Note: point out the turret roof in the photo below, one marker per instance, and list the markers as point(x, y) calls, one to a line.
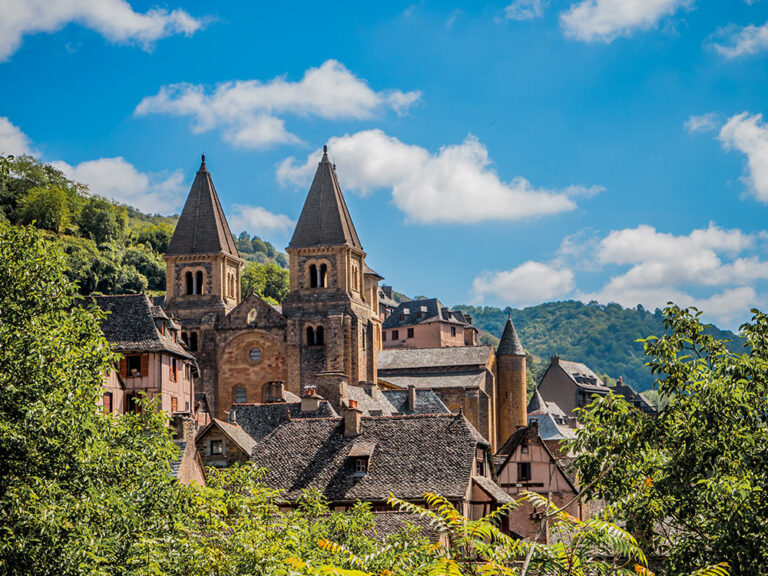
point(510, 344)
point(325, 219)
point(202, 227)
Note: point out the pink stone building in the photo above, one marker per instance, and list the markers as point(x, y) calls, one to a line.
point(427, 324)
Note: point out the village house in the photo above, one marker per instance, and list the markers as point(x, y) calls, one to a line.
point(427, 323)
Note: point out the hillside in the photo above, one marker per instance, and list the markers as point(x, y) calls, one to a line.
point(603, 336)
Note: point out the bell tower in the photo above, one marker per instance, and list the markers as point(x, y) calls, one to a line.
point(512, 411)
point(332, 307)
point(202, 276)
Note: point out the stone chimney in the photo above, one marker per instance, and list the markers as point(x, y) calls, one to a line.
point(183, 426)
point(276, 391)
point(352, 417)
point(371, 388)
point(411, 398)
point(310, 401)
point(555, 360)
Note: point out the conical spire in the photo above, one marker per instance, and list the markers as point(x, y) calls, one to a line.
point(202, 227)
point(510, 342)
point(325, 219)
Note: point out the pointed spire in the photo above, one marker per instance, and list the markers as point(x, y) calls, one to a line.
point(325, 219)
point(202, 226)
point(510, 344)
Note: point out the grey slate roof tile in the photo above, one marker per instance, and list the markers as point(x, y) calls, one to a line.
point(258, 420)
point(202, 226)
point(325, 219)
point(413, 455)
point(408, 358)
point(421, 312)
point(429, 381)
point(130, 325)
point(510, 344)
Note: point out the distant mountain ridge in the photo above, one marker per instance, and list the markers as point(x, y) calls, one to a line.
point(602, 336)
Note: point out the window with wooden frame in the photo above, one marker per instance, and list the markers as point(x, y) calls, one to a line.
point(173, 370)
point(361, 466)
point(395, 335)
point(410, 332)
point(523, 471)
point(107, 402)
point(174, 405)
point(217, 447)
point(133, 365)
point(453, 330)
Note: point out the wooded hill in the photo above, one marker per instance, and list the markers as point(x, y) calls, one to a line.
point(603, 336)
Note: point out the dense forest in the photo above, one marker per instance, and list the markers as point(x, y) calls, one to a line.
point(603, 336)
point(112, 248)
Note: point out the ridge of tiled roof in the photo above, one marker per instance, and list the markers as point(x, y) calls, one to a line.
point(130, 325)
point(202, 227)
point(411, 358)
point(510, 344)
point(325, 219)
point(413, 455)
point(430, 380)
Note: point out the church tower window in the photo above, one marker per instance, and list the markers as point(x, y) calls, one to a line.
point(315, 336)
point(193, 341)
point(198, 285)
point(313, 276)
point(240, 395)
point(190, 283)
point(323, 276)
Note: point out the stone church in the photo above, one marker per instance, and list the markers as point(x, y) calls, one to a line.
point(326, 338)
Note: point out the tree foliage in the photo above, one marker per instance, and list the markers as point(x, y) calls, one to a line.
point(693, 482)
point(269, 281)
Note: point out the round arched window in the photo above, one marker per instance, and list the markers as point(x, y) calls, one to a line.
point(254, 354)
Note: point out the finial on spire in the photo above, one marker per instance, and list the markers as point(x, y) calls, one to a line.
point(325, 153)
point(202, 163)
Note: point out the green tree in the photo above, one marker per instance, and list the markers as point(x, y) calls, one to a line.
point(80, 492)
point(692, 482)
point(101, 220)
point(47, 208)
point(158, 236)
point(269, 281)
point(147, 263)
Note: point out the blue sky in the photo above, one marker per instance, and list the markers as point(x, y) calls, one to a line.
point(500, 153)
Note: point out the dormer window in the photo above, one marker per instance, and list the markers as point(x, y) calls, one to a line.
point(361, 466)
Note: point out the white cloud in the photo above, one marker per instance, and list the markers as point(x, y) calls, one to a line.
point(452, 18)
point(737, 41)
point(529, 283)
point(258, 220)
point(248, 111)
point(456, 184)
point(118, 179)
point(12, 140)
point(606, 20)
point(524, 10)
point(113, 19)
point(703, 123)
point(749, 134)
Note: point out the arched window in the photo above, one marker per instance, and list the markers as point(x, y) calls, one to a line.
point(185, 338)
point(310, 336)
point(240, 396)
point(199, 282)
point(312, 276)
point(190, 287)
point(319, 336)
point(323, 280)
point(193, 341)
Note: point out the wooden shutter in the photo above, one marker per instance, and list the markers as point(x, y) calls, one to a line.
point(145, 365)
point(123, 368)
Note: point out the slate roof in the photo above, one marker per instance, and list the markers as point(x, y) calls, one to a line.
point(422, 312)
point(413, 455)
point(258, 420)
point(428, 381)
point(395, 522)
point(549, 429)
point(176, 462)
point(386, 300)
point(130, 325)
point(634, 398)
point(325, 219)
point(537, 405)
point(427, 402)
point(583, 376)
point(202, 226)
point(492, 489)
point(234, 432)
point(510, 344)
point(405, 358)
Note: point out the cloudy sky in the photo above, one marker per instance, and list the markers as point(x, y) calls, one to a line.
point(496, 153)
